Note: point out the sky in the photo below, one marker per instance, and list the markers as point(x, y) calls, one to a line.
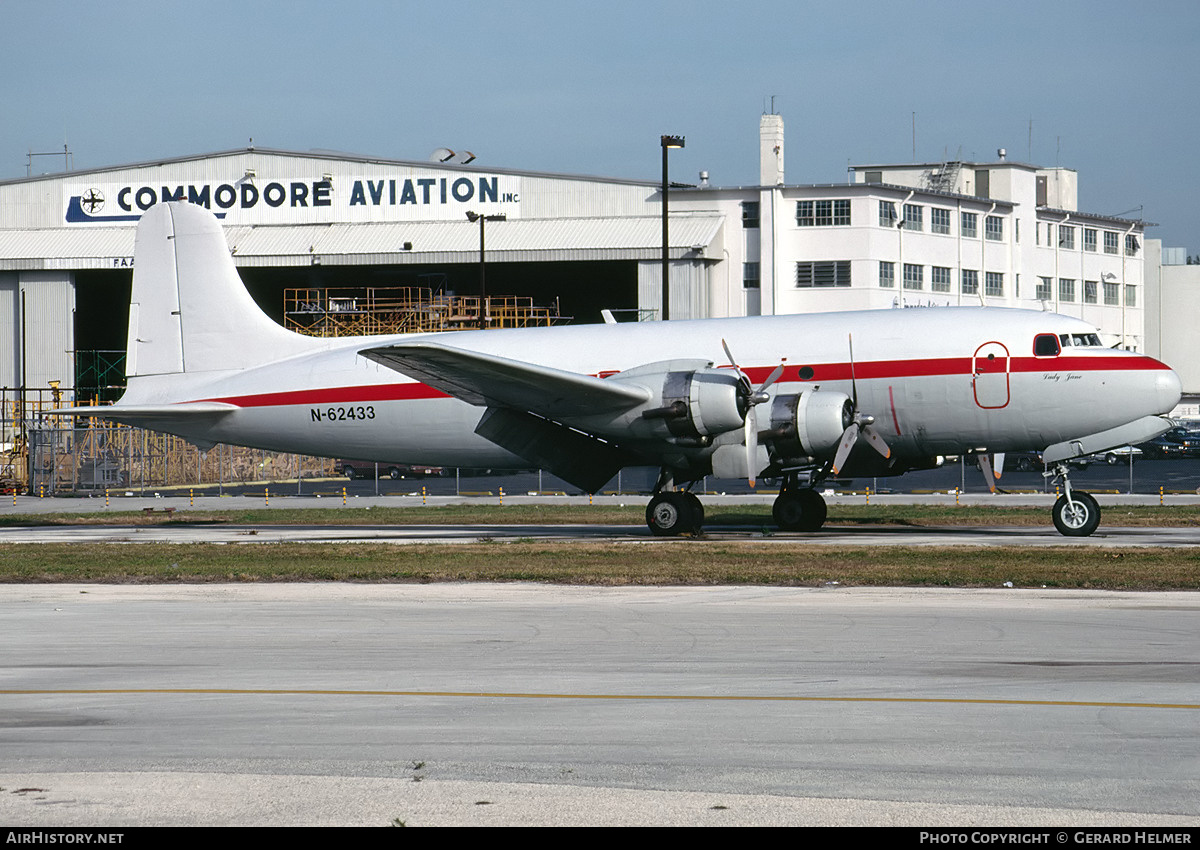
point(581, 87)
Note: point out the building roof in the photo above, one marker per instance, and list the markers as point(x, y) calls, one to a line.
point(625, 238)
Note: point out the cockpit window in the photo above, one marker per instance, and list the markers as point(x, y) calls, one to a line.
point(1046, 345)
point(1079, 340)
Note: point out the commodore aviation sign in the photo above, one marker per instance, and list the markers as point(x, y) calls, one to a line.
point(413, 196)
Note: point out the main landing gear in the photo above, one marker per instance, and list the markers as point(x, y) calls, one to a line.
point(1076, 513)
point(674, 512)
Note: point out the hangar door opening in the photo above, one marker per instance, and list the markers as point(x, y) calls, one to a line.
point(579, 290)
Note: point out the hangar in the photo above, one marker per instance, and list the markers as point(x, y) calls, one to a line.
point(569, 247)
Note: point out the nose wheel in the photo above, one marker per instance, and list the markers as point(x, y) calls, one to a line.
point(1076, 513)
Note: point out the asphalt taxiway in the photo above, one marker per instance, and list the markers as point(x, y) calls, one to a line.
point(519, 704)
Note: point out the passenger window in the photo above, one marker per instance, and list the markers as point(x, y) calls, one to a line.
point(1045, 345)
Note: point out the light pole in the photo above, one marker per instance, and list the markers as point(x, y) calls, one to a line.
point(667, 142)
point(479, 217)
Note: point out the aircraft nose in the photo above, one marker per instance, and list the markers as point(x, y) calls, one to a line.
point(1168, 390)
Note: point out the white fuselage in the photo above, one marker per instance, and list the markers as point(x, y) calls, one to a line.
point(937, 381)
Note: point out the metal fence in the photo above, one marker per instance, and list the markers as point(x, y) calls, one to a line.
point(43, 454)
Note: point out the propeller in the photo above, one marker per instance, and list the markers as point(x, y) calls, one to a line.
point(991, 469)
point(860, 424)
point(753, 397)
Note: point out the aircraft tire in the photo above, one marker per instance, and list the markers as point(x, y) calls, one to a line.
point(800, 510)
point(1077, 518)
point(393, 473)
point(349, 472)
point(673, 513)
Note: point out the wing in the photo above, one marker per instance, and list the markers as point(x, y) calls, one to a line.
point(493, 381)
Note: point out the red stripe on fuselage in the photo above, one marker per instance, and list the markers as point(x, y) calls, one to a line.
point(867, 370)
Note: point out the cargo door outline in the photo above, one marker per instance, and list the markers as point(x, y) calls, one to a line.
point(990, 367)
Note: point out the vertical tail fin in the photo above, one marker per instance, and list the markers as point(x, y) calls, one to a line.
point(189, 311)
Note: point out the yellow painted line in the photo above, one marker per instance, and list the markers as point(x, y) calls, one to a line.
point(660, 697)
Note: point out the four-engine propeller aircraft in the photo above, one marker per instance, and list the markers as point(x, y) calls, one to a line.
point(870, 393)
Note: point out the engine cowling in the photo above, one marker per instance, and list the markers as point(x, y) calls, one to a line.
point(690, 403)
point(808, 425)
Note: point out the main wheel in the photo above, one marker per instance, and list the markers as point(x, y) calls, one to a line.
point(1077, 517)
point(800, 510)
point(349, 472)
point(393, 473)
point(673, 513)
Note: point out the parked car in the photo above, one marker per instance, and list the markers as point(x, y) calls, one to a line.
point(1176, 443)
point(1124, 454)
point(366, 469)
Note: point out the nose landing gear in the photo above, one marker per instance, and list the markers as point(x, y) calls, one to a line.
point(1076, 513)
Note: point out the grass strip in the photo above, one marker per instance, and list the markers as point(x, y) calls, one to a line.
point(660, 562)
point(634, 514)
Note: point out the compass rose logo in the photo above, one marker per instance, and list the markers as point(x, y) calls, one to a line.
point(92, 202)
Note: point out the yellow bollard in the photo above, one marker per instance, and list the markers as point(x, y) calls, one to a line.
point(191, 498)
point(1160, 495)
point(267, 496)
point(343, 497)
point(502, 495)
point(106, 497)
point(868, 495)
point(423, 494)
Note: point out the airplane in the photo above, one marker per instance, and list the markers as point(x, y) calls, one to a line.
point(797, 398)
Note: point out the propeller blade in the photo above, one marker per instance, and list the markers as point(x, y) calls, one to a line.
point(849, 437)
point(853, 382)
point(985, 466)
point(876, 440)
point(751, 446)
point(772, 378)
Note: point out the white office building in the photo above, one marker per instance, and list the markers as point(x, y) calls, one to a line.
point(891, 236)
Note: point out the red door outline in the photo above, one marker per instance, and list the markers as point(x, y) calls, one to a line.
point(990, 375)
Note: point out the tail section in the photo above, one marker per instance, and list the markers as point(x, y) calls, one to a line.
point(189, 311)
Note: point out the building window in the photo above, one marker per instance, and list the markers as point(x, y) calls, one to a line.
point(1112, 294)
point(1066, 237)
point(970, 282)
point(1130, 295)
point(970, 225)
point(749, 214)
point(887, 214)
point(939, 278)
point(1066, 289)
point(1110, 242)
point(1045, 289)
point(939, 220)
point(1089, 239)
point(993, 228)
point(827, 273)
point(993, 283)
point(887, 274)
point(914, 276)
point(750, 276)
point(822, 213)
point(914, 217)
point(1131, 245)
point(1089, 291)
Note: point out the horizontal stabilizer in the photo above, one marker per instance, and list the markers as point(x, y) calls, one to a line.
point(486, 379)
point(149, 415)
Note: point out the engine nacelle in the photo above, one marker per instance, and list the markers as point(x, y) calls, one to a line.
point(809, 424)
point(690, 403)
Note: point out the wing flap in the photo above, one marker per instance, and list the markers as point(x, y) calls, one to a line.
point(494, 381)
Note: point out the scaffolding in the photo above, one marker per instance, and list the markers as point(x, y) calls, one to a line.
point(375, 311)
point(47, 455)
